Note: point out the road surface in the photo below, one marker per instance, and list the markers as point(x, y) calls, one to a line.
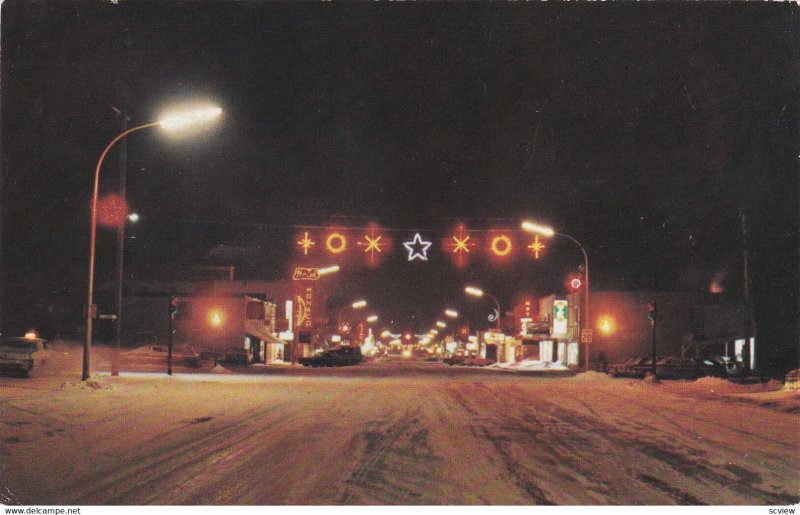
point(390, 432)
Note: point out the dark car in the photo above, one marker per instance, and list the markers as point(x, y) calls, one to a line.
point(341, 357)
point(631, 367)
point(350, 355)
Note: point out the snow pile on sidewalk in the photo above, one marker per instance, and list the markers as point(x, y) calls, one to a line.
point(219, 369)
point(593, 376)
point(529, 364)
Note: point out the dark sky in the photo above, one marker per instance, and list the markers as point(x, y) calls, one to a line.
point(641, 130)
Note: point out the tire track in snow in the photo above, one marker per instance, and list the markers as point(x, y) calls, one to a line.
point(396, 464)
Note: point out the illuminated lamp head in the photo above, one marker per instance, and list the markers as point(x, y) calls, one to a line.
point(215, 318)
point(606, 325)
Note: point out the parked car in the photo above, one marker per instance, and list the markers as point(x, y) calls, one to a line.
point(20, 354)
point(470, 361)
point(350, 355)
point(678, 368)
point(339, 357)
point(631, 367)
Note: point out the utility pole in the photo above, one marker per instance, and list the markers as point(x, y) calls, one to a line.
point(173, 310)
point(653, 315)
point(748, 328)
point(123, 166)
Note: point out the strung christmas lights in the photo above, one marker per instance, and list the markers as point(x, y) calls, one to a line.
point(459, 245)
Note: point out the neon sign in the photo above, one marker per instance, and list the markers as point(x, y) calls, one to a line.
point(305, 274)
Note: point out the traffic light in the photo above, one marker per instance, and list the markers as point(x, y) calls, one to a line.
point(173, 307)
point(651, 312)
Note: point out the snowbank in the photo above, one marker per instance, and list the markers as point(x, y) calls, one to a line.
point(529, 364)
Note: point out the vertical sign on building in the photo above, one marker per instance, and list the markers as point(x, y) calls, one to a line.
point(304, 306)
point(560, 316)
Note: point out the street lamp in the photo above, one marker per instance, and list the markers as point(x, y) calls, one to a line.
point(440, 324)
point(477, 292)
point(359, 304)
point(372, 319)
point(451, 313)
point(171, 122)
point(549, 232)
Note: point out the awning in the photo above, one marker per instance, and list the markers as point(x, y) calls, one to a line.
point(255, 329)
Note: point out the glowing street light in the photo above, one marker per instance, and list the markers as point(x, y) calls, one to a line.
point(440, 324)
point(538, 229)
point(215, 318)
point(188, 118)
point(359, 304)
point(133, 217)
point(547, 231)
point(328, 270)
point(606, 325)
point(452, 313)
point(172, 122)
point(372, 319)
point(477, 292)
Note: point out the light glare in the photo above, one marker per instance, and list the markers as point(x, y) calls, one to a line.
point(475, 292)
point(182, 119)
point(539, 229)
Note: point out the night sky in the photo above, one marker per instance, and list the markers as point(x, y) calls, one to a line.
point(641, 130)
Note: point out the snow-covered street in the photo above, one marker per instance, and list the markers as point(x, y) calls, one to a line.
point(395, 432)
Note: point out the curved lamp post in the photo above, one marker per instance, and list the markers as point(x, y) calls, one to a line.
point(359, 304)
point(171, 122)
point(549, 232)
point(477, 292)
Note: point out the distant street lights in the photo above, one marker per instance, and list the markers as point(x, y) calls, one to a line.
point(549, 232)
point(477, 292)
point(171, 122)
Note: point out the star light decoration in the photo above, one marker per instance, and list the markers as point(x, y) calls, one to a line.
point(306, 243)
point(414, 244)
point(373, 245)
point(536, 247)
point(460, 244)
